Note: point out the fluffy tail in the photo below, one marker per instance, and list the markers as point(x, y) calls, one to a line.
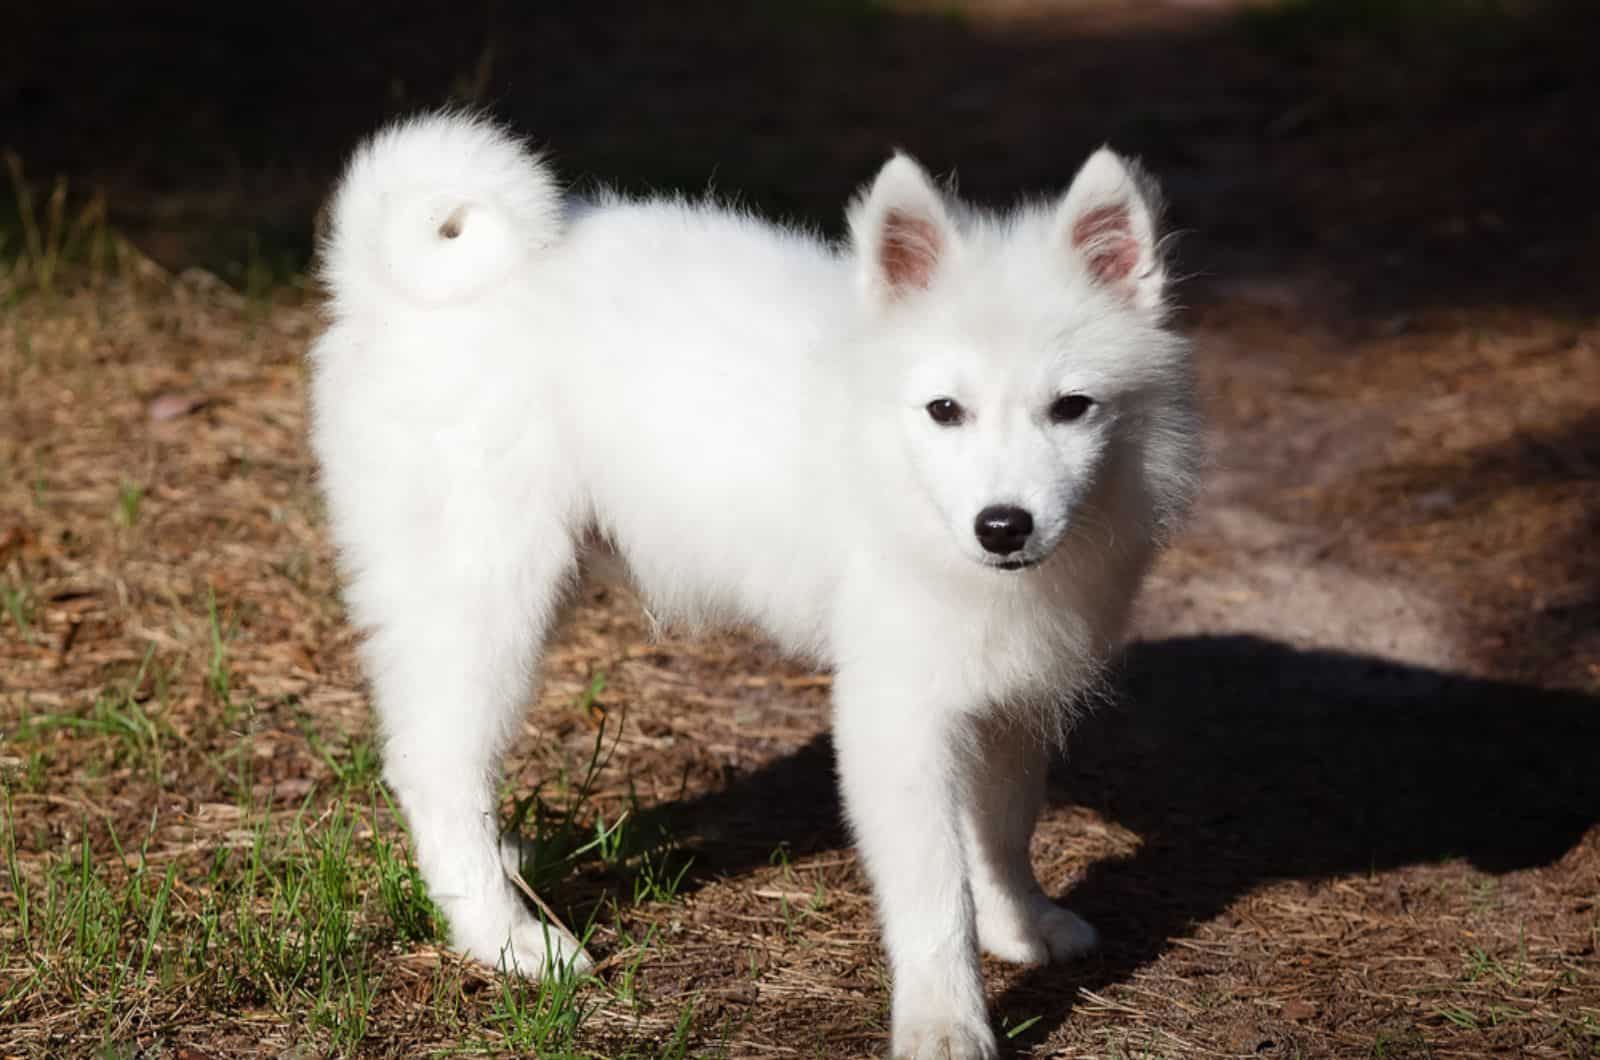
point(437, 209)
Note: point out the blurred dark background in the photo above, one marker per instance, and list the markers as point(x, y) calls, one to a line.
point(1407, 152)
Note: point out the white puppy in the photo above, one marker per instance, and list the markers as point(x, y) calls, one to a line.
point(936, 461)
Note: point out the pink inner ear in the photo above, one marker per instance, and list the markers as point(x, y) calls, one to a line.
point(910, 250)
point(1105, 236)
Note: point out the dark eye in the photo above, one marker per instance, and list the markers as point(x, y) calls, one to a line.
point(946, 412)
point(1069, 407)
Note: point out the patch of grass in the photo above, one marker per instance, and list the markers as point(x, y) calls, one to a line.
point(40, 239)
point(677, 1047)
point(26, 360)
point(540, 1018)
point(1582, 1036)
point(289, 912)
point(300, 938)
point(19, 605)
point(88, 939)
point(290, 916)
point(1483, 893)
point(219, 676)
point(565, 834)
point(794, 913)
point(402, 895)
point(659, 874)
point(131, 736)
point(1481, 965)
point(626, 985)
point(129, 496)
point(359, 765)
point(34, 770)
point(1400, 1044)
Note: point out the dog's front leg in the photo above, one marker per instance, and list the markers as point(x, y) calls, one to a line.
point(897, 765)
point(1003, 793)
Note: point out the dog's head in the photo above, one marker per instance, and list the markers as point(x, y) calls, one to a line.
point(1033, 383)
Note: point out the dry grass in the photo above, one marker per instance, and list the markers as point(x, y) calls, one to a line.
point(1348, 807)
point(188, 747)
point(199, 856)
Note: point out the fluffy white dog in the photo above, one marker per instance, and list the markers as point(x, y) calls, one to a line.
point(937, 461)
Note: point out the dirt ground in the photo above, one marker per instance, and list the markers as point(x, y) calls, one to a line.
point(1348, 801)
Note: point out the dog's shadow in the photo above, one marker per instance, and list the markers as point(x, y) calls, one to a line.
point(1238, 761)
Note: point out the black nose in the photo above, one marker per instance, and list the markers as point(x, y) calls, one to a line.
point(1002, 528)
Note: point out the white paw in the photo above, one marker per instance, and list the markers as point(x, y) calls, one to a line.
point(1042, 932)
point(497, 927)
point(536, 949)
point(945, 1040)
point(530, 949)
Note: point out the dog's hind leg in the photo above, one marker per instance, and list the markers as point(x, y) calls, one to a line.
point(451, 674)
point(1003, 794)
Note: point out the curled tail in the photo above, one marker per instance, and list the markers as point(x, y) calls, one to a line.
point(436, 209)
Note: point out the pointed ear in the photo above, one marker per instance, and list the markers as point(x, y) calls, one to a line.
point(1107, 219)
point(901, 233)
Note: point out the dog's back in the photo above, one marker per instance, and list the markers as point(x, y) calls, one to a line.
point(663, 371)
point(707, 405)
